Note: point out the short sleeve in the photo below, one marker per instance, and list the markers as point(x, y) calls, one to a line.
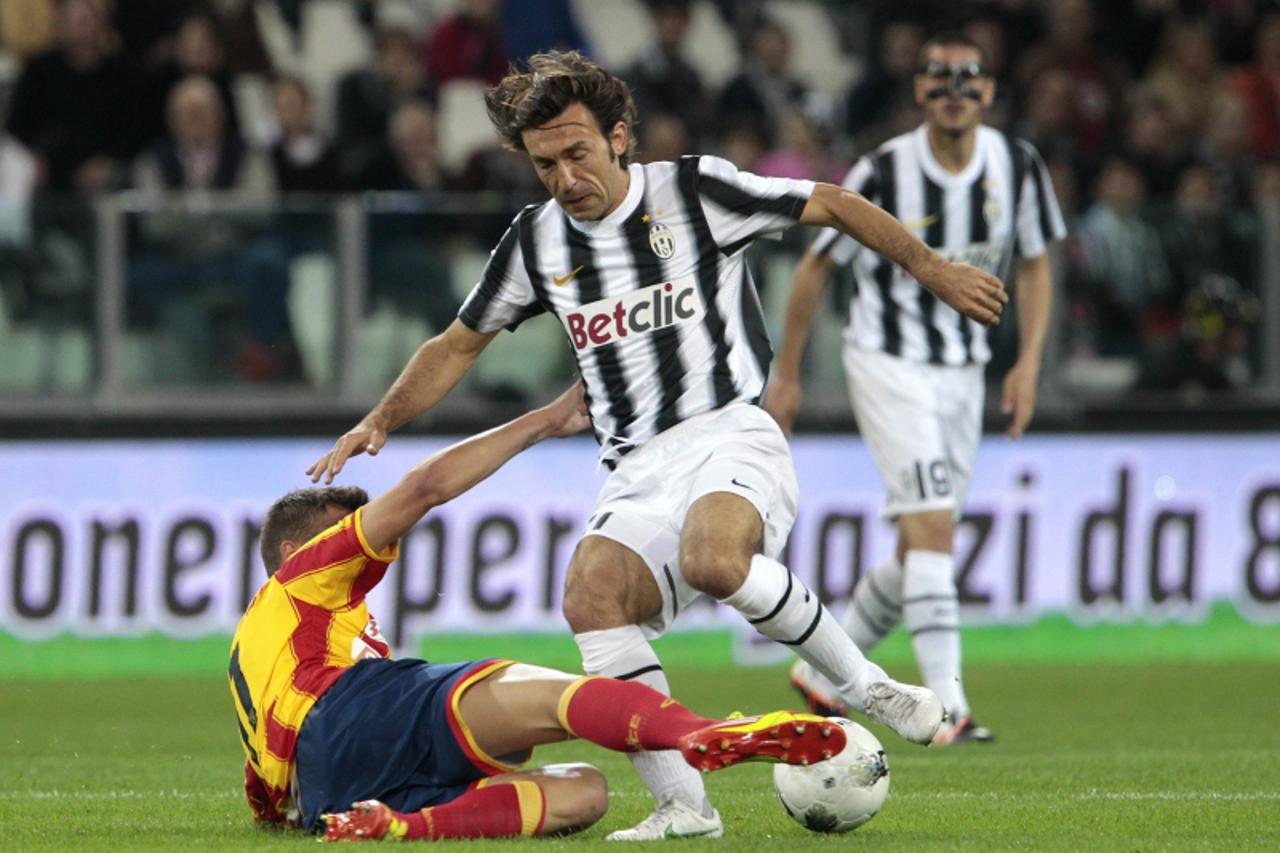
point(837, 245)
point(1039, 217)
point(504, 296)
point(336, 568)
point(740, 206)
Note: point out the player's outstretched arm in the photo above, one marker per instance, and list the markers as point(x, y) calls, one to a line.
point(785, 393)
point(447, 474)
point(431, 373)
point(1035, 299)
point(967, 289)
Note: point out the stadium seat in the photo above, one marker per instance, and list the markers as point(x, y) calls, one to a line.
point(313, 314)
point(617, 30)
point(462, 123)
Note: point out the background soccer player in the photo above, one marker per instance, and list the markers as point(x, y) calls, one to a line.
point(326, 719)
point(644, 266)
point(915, 366)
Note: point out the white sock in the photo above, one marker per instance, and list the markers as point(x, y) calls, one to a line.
point(624, 653)
point(876, 606)
point(932, 615)
point(783, 609)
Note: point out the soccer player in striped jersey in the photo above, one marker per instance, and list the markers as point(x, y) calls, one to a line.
point(644, 267)
point(915, 365)
point(329, 722)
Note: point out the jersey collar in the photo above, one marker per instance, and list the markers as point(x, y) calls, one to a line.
point(635, 193)
point(939, 175)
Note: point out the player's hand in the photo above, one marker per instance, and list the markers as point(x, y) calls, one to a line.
point(783, 402)
point(973, 292)
point(569, 412)
point(1019, 397)
point(364, 437)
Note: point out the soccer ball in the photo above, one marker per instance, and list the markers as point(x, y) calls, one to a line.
point(841, 793)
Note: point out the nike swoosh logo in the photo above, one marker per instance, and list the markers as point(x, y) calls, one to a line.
point(742, 485)
point(671, 833)
point(565, 279)
point(913, 224)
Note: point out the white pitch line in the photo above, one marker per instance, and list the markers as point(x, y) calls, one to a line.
point(1178, 796)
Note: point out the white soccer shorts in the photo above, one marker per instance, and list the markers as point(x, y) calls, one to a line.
point(922, 423)
point(738, 449)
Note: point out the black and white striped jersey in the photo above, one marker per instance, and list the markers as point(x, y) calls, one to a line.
point(655, 298)
point(1000, 206)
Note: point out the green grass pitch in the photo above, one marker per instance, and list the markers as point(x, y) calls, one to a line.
point(1113, 756)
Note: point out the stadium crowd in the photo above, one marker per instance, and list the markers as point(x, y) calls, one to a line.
point(1159, 120)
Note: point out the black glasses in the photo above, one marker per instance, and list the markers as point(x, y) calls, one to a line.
point(963, 73)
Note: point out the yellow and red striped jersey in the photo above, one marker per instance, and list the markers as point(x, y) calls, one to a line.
point(307, 625)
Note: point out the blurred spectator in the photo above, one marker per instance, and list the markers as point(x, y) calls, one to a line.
point(412, 158)
point(804, 153)
point(1185, 75)
point(764, 91)
point(1234, 23)
point(1050, 122)
point(989, 32)
point(662, 138)
point(1210, 351)
point(74, 106)
point(407, 267)
point(1224, 149)
point(190, 255)
point(1126, 271)
point(368, 97)
point(1155, 143)
point(304, 160)
point(147, 28)
point(535, 26)
point(1098, 77)
point(198, 48)
point(662, 81)
point(468, 45)
point(1202, 236)
point(886, 86)
point(743, 146)
point(28, 27)
point(1258, 84)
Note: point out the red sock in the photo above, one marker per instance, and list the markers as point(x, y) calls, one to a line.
point(494, 811)
point(625, 716)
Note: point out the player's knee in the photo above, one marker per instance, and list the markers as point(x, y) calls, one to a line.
point(593, 591)
point(577, 798)
point(713, 568)
point(927, 531)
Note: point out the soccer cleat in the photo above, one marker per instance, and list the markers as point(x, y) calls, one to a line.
point(369, 820)
point(816, 691)
point(965, 730)
point(782, 736)
point(672, 819)
point(915, 713)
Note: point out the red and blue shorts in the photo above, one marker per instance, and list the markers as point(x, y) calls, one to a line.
point(390, 730)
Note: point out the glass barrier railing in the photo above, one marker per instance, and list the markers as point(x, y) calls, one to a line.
point(136, 303)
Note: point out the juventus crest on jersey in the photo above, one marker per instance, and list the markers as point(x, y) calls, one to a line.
point(655, 298)
point(999, 206)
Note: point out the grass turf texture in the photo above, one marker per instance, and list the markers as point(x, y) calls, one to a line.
point(1111, 756)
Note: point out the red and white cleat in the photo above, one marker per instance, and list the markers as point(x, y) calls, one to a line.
point(781, 737)
point(369, 820)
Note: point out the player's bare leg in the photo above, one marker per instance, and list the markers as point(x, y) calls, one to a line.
point(609, 592)
point(719, 555)
point(523, 706)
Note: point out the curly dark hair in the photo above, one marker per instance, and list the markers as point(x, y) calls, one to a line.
point(553, 81)
point(298, 516)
